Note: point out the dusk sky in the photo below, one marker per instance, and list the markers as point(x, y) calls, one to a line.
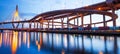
point(30, 8)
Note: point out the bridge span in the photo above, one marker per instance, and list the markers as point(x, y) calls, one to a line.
point(47, 21)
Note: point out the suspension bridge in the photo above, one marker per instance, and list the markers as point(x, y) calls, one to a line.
point(59, 21)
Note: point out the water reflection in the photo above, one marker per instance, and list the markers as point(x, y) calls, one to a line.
point(13, 42)
point(0, 39)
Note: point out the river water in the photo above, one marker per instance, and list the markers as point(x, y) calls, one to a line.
point(13, 42)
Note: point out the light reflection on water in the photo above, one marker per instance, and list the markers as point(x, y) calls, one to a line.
point(12, 42)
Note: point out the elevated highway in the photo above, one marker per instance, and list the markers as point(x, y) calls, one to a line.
point(48, 18)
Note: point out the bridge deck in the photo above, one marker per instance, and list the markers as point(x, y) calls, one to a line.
point(88, 32)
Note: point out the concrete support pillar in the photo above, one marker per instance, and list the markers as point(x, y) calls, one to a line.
point(42, 22)
point(37, 25)
point(77, 23)
point(40, 25)
point(90, 20)
point(34, 24)
point(67, 22)
point(115, 45)
point(114, 20)
point(22, 25)
point(74, 21)
point(104, 23)
point(29, 25)
point(82, 20)
point(77, 20)
point(52, 23)
point(17, 25)
point(94, 25)
point(62, 22)
point(48, 24)
point(55, 26)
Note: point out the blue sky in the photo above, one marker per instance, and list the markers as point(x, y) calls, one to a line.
point(30, 8)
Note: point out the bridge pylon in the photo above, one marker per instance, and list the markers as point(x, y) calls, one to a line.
point(15, 18)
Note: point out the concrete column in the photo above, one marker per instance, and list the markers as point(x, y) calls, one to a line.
point(62, 22)
point(22, 25)
point(114, 20)
point(34, 24)
point(77, 20)
point(67, 22)
point(29, 25)
point(37, 25)
point(42, 26)
point(90, 20)
point(52, 23)
point(77, 24)
point(48, 24)
point(17, 25)
point(74, 21)
point(82, 20)
point(94, 25)
point(104, 23)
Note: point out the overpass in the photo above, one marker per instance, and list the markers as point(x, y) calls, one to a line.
point(48, 18)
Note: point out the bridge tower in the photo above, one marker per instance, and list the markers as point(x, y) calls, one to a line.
point(15, 18)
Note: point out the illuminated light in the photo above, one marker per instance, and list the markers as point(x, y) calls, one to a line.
point(38, 18)
point(65, 35)
point(87, 6)
point(102, 37)
point(39, 47)
point(24, 38)
point(35, 37)
point(41, 40)
point(28, 43)
point(14, 42)
point(100, 52)
point(0, 39)
point(16, 14)
point(91, 36)
point(5, 39)
point(16, 17)
point(7, 43)
point(19, 41)
point(99, 8)
point(65, 41)
point(41, 21)
point(111, 38)
point(63, 52)
point(118, 30)
point(36, 42)
point(10, 39)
